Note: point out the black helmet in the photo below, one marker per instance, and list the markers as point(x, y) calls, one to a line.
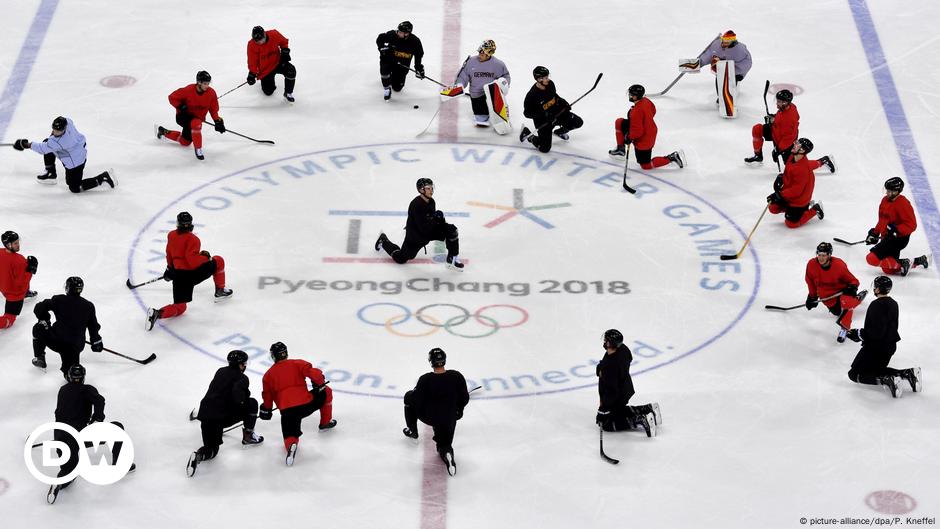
point(883, 284)
point(824, 247)
point(539, 72)
point(278, 351)
point(613, 338)
point(74, 286)
point(59, 123)
point(636, 90)
point(785, 95)
point(9, 237)
point(806, 145)
point(406, 27)
point(184, 221)
point(894, 184)
point(437, 357)
point(422, 182)
point(76, 373)
point(257, 33)
point(237, 357)
point(203, 77)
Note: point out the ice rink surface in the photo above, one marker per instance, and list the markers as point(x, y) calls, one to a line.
point(761, 425)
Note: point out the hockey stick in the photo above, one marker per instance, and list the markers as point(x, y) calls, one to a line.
point(269, 142)
point(438, 83)
point(775, 307)
point(606, 457)
point(232, 90)
point(132, 286)
point(767, 111)
point(746, 241)
point(676, 80)
point(626, 162)
point(843, 241)
point(145, 361)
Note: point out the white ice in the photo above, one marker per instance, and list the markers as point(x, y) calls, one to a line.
point(761, 424)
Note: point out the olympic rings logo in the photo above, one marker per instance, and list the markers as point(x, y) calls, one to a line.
point(440, 319)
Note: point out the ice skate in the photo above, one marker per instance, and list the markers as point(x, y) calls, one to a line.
point(291, 454)
point(250, 438)
point(152, 316)
point(892, 383)
point(617, 151)
point(328, 426)
point(453, 263)
point(221, 294)
point(757, 158)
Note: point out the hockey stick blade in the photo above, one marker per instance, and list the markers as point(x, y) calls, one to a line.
point(133, 286)
point(192, 415)
point(145, 361)
point(606, 457)
point(729, 257)
point(843, 241)
point(774, 307)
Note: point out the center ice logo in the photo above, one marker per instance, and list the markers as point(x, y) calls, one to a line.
point(555, 251)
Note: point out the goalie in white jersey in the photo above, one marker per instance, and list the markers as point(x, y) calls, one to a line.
point(487, 80)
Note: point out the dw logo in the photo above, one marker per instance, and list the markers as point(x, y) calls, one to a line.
point(98, 439)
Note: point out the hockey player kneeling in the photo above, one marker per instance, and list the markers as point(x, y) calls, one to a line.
point(616, 388)
point(425, 224)
point(438, 400)
point(487, 80)
point(547, 110)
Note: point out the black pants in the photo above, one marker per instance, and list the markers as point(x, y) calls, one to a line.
point(412, 244)
point(444, 427)
point(567, 121)
point(186, 280)
point(871, 363)
point(890, 247)
point(73, 176)
point(290, 76)
point(291, 417)
point(13, 307)
point(72, 462)
point(212, 430)
point(393, 72)
point(43, 337)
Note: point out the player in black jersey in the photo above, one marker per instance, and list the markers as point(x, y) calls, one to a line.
point(396, 49)
point(547, 110)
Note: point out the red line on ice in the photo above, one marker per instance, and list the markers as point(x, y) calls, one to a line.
point(450, 63)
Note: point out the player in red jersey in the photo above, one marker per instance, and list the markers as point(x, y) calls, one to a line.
point(639, 129)
point(192, 103)
point(782, 128)
point(15, 273)
point(268, 55)
point(285, 385)
point(827, 275)
point(896, 223)
point(187, 265)
point(793, 190)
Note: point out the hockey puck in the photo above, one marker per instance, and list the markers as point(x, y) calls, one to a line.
point(416, 106)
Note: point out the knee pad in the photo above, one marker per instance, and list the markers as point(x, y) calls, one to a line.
point(398, 257)
point(872, 259)
point(451, 231)
point(37, 330)
point(267, 91)
point(853, 375)
point(75, 188)
point(289, 71)
point(219, 263)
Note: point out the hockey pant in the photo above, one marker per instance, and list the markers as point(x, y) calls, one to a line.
point(11, 310)
point(413, 244)
point(444, 427)
point(644, 157)
point(192, 130)
point(43, 337)
point(212, 430)
point(291, 417)
point(566, 122)
point(761, 132)
point(793, 216)
point(72, 444)
point(871, 363)
point(73, 176)
point(392, 74)
point(186, 280)
point(886, 254)
point(290, 77)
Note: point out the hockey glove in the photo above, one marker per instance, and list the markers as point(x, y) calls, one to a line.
point(32, 264)
point(811, 302)
point(97, 346)
point(851, 290)
point(285, 55)
point(182, 108)
point(251, 79)
point(872, 237)
point(419, 71)
point(46, 324)
point(439, 216)
point(769, 119)
point(21, 145)
point(206, 254)
point(265, 414)
point(601, 417)
point(169, 274)
point(778, 182)
point(853, 335)
point(385, 51)
point(891, 231)
point(774, 198)
point(220, 126)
